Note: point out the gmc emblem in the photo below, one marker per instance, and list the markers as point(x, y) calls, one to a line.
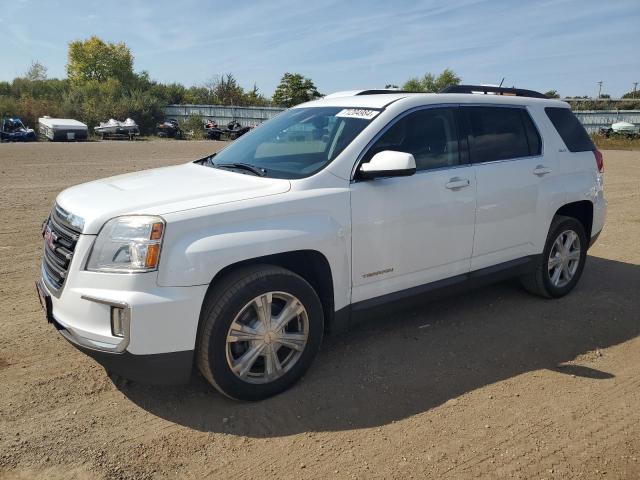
point(49, 237)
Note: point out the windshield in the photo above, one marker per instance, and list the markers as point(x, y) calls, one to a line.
point(297, 143)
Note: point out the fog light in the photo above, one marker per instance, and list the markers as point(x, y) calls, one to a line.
point(117, 321)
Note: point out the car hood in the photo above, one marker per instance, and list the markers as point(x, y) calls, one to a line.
point(161, 191)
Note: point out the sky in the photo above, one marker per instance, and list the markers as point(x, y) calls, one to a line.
point(564, 45)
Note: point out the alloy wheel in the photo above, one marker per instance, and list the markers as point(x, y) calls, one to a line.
point(564, 258)
point(267, 337)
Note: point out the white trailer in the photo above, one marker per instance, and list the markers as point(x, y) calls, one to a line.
point(62, 129)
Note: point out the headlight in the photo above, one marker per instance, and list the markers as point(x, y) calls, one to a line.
point(128, 244)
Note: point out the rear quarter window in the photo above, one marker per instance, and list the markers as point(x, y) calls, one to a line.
point(533, 137)
point(573, 134)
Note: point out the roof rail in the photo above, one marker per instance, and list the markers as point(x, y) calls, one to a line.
point(381, 91)
point(491, 90)
point(355, 93)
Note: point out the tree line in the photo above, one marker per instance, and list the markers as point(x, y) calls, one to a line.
point(101, 84)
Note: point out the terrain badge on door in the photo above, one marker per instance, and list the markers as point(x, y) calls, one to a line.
point(379, 272)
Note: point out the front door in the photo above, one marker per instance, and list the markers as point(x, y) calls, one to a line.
point(408, 231)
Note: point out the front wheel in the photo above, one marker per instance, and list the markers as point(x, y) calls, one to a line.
point(562, 261)
point(261, 328)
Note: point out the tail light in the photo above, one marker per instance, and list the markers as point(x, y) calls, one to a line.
point(599, 160)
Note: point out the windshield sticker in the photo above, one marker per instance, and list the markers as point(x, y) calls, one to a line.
point(363, 113)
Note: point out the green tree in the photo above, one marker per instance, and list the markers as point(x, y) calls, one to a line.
point(413, 85)
point(429, 83)
point(255, 98)
point(225, 90)
point(36, 72)
point(93, 59)
point(294, 89)
point(552, 94)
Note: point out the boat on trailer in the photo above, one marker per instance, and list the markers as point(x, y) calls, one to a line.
point(116, 129)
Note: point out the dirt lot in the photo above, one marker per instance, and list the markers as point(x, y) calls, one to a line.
point(492, 384)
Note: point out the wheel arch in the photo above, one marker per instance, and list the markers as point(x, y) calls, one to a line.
point(582, 211)
point(311, 265)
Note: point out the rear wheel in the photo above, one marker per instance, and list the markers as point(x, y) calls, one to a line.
point(562, 261)
point(261, 329)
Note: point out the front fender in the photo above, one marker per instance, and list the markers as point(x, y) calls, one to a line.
point(197, 247)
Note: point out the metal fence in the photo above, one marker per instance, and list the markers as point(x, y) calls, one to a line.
point(594, 119)
point(247, 116)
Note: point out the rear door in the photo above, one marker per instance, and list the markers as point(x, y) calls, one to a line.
point(505, 149)
point(408, 231)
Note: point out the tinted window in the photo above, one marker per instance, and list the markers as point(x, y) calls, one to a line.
point(533, 137)
point(573, 134)
point(430, 135)
point(496, 133)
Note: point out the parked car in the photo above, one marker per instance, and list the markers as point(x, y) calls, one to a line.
point(239, 262)
point(13, 130)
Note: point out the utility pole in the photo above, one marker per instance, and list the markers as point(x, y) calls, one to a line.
point(599, 88)
point(635, 85)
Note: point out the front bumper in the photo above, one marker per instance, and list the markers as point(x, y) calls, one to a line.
point(160, 328)
point(170, 368)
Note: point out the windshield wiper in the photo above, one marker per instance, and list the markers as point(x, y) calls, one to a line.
point(261, 172)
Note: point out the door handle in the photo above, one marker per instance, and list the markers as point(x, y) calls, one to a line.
point(456, 182)
point(541, 170)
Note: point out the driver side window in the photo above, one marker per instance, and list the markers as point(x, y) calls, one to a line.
point(430, 135)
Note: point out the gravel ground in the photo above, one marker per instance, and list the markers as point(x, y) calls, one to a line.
point(491, 384)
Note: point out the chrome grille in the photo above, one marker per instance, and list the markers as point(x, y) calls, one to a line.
point(60, 239)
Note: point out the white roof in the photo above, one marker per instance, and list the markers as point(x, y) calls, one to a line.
point(351, 99)
point(61, 122)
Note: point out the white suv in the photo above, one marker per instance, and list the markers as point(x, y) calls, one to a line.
point(239, 262)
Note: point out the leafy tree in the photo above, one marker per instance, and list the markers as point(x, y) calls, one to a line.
point(632, 94)
point(429, 83)
point(93, 59)
point(552, 94)
point(36, 72)
point(294, 89)
point(5, 88)
point(225, 90)
point(413, 85)
point(255, 98)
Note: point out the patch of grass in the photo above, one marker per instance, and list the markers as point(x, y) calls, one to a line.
point(616, 143)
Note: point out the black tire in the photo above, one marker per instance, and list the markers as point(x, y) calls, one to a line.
point(220, 308)
point(539, 282)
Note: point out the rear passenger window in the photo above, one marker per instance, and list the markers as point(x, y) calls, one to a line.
point(573, 134)
point(496, 133)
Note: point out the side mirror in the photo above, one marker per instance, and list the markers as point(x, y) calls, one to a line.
point(388, 163)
